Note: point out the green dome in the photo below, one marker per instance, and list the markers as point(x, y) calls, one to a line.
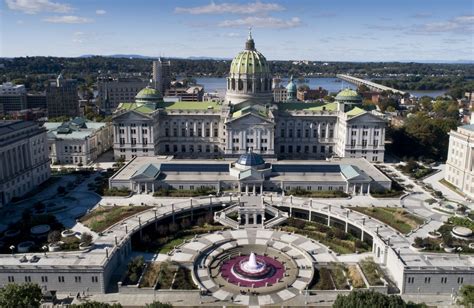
point(249, 62)
point(148, 95)
point(348, 95)
point(291, 86)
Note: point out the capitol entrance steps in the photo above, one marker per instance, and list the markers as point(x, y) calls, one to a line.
point(250, 212)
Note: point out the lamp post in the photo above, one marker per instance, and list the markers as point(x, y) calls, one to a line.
point(45, 248)
point(12, 248)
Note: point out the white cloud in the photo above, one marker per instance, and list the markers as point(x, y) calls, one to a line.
point(457, 24)
point(101, 12)
point(231, 8)
point(262, 22)
point(68, 19)
point(36, 6)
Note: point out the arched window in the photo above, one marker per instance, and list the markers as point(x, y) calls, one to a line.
point(258, 86)
point(233, 83)
point(241, 84)
point(249, 85)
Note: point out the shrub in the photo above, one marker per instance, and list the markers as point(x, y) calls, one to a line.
point(135, 268)
point(54, 236)
point(418, 242)
point(86, 238)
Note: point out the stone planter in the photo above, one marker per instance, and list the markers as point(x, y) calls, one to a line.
point(68, 233)
point(12, 233)
point(84, 246)
point(54, 247)
point(25, 246)
point(449, 249)
point(434, 234)
point(417, 249)
point(40, 230)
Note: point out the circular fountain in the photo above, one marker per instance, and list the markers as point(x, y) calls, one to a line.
point(252, 270)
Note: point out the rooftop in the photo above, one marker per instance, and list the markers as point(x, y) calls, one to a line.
point(308, 106)
point(149, 108)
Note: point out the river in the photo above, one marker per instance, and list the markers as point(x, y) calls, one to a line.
point(213, 84)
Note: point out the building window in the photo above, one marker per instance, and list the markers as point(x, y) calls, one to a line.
point(315, 148)
point(44, 278)
point(411, 279)
point(134, 141)
point(444, 279)
point(290, 133)
point(27, 278)
point(353, 133)
point(353, 142)
point(427, 279)
point(77, 279)
point(167, 132)
point(460, 280)
point(331, 133)
point(11, 279)
point(191, 187)
point(323, 149)
point(216, 132)
point(364, 143)
point(282, 149)
point(181, 187)
point(323, 133)
point(95, 279)
point(330, 149)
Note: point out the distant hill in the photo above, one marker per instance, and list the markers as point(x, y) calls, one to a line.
point(118, 56)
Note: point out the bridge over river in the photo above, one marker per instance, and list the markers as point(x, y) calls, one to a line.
point(371, 85)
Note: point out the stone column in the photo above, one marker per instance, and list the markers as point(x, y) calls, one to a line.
point(246, 218)
point(254, 218)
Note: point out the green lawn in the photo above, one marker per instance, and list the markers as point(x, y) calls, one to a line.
point(397, 218)
point(167, 247)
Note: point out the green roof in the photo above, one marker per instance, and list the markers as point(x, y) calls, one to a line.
point(191, 105)
point(149, 108)
point(355, 112)
point(145, 108)
point(148, 94)
point(348, 95)
point(260, 110)
point(308, 106)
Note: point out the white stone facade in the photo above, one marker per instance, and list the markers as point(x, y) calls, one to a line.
point(24, 161)
point(460, 163)
point(81, 145)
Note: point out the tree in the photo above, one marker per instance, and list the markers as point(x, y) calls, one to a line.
point(157, 304)
point(20, 295)
point(95, 304)
point(467, 294)
point(371, 299)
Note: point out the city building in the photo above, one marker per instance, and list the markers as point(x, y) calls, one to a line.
point(24, 161)
point(36, 100)
point(113, 91)
point(311, 94)
point(77, 141)
point(62, 98)
point(460, 163)
point(186, 93)
point(248, 120)
point(12, 97)
point(250, 174)
point(161, 74)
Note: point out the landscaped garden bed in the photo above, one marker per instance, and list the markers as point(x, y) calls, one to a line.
point(172, 234)
point(355, 277)
point(442, 240)
point(339, 277)
point(201, 191)
point(105, 216)
point(21, 231)
point(134, 271)
point(322, 280)
point(334, 238)
point(397, 218)
point(183, 280)
point(415, 170)
point(372, 272)
point(316, 194)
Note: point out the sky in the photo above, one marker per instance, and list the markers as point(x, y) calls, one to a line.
point(317, 30)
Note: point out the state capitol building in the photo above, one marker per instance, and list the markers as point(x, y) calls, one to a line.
point(248, 121)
